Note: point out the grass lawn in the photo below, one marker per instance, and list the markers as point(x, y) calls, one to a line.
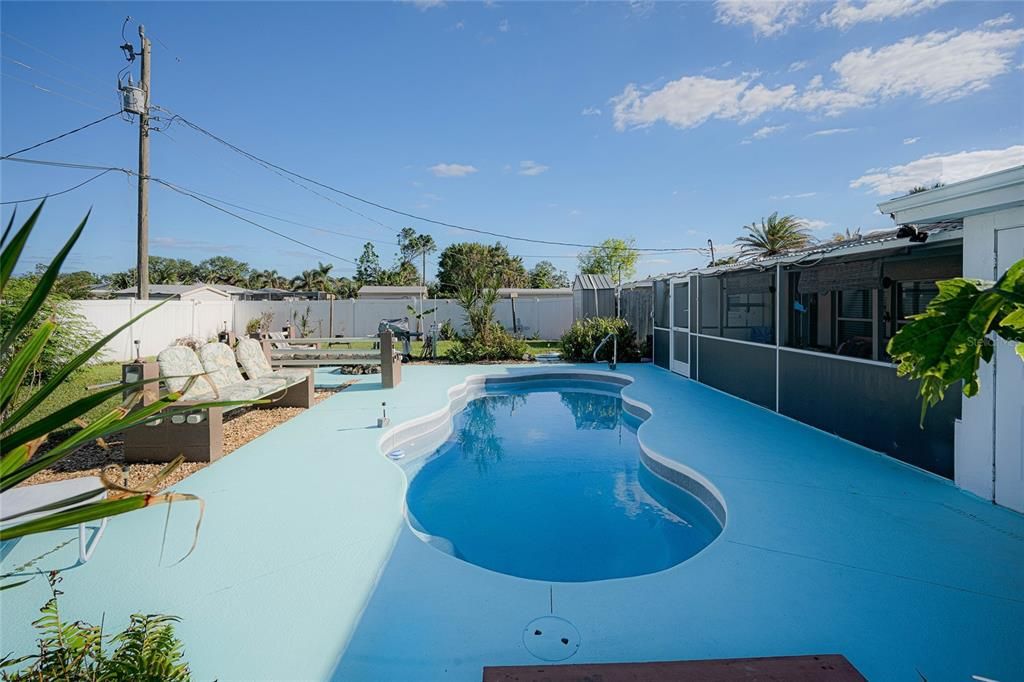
point(75, 388)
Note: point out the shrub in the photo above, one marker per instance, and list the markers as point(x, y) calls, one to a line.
point(579, 342)
point(252, 326)
point(147, 650)
point(447, 331)
point(494, 345)
point(72, 334)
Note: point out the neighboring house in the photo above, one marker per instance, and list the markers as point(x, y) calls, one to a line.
point(185, 292)
point(805, 334)
point(382, 292)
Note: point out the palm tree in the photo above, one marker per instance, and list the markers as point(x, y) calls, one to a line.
point(773, 236)
point(847, 235)
point(323, 272)
point(307, 281)
point(274, 279)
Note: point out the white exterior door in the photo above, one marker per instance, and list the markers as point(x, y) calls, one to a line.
point(679, 329)
point(1009, 379)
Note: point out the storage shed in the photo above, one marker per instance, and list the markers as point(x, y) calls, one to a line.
point(593, 296)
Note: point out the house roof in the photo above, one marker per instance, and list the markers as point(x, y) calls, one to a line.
point(179, 289)
point(392, 291)
point(593, 282)
point(872, 242)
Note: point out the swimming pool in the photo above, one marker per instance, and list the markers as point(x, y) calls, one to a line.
point(546, 481)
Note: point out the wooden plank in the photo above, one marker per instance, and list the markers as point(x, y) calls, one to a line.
point(822, 668)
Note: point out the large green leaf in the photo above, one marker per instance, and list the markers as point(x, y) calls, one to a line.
point(71, 517)
point(69, 413)
point(12, 250)
point(42, 290)
point(22, 361)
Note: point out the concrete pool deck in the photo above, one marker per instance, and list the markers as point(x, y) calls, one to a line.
point(306, 568)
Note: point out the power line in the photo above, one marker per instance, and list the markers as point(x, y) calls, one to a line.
point(51, 92)
point(51, 56)
point(185, 192)
point(46, 74)
point(406, 214)
point(62, 135)
point(57, 194)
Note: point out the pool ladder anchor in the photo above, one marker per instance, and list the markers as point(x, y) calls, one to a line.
point(614, 362)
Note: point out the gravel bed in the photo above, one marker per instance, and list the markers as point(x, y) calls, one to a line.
point(240, 427)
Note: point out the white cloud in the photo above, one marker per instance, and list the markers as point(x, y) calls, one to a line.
point(459, 25)
point(936, 67)
point(692, 100)
point(504, 26)
point(532, 168)
point(802, 195)
point(767, 131)
point(767, 17)
point(641, 8)
point(798, 66)
point(831, 131)
point(910, 140)
point(847, 13)
point(424, 5)
point(452, 170)
point(998, 21)
point(575, 211)
point(937, 168)
point(814, 224)
point(590, 111)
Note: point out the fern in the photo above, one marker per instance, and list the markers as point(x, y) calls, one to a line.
point(146, 651)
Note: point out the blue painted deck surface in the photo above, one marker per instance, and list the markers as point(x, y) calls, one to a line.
point(306, 569)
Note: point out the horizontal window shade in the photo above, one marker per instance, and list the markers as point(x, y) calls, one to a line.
point(924, 269)
point(821, 279)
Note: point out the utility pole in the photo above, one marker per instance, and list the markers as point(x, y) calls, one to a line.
point(142, 267)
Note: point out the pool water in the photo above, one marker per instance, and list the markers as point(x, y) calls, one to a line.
point(547, 484)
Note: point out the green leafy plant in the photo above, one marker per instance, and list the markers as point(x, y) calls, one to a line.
point(773, 236)
point(948, 341)
point(613, 257)
point(26, 428)
point(252, 326)
point(580, 340)
point(486, 339)
point(146, 651)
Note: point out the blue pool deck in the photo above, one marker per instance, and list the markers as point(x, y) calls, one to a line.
point(306, 569)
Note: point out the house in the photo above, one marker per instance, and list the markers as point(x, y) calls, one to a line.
point(387, 292)
point(593, 296)
point(186, 292)
point(805, 334)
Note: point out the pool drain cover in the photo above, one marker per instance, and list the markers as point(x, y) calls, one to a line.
point(551, 638)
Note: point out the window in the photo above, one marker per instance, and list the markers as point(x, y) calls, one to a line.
point(750, 317)
point(854, 323)
point(912, 298)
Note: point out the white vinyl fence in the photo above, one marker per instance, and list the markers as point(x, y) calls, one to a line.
point(544, 318)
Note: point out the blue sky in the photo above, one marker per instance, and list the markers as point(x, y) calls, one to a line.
point(670, 123)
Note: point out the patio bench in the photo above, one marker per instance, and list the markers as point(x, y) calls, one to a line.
point(199, 435)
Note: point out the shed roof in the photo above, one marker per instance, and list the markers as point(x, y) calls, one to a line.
point(590, 282)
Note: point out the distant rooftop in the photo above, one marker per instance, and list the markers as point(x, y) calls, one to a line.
point(371, 290)
point(591, 282)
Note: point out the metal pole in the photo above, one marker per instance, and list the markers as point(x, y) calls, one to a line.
point(142, 266)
